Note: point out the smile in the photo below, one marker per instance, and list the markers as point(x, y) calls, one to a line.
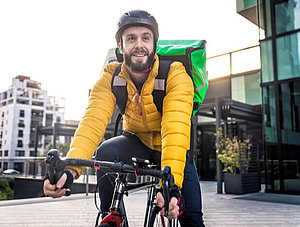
point(139, 55)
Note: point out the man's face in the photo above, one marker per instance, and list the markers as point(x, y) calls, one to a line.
point(137, 48)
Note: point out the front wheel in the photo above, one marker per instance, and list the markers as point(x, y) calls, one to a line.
point(106, 225)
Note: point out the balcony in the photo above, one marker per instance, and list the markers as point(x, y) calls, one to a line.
point(247, 9)
point(23, 101)
point(33, 84)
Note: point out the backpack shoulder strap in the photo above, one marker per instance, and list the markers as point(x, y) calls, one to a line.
point(119, 89)
point(159, 91)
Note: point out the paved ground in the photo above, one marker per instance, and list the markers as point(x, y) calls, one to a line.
point(219, 210)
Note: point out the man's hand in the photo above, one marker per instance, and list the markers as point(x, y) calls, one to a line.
point(173, 207)
point(57, 190)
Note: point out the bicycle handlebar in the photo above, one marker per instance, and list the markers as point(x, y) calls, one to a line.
point(114, 167)
point(56, 166)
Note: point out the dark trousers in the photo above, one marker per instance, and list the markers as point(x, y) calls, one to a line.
point(126, 146)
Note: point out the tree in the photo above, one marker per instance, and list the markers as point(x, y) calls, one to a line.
point(62, 148)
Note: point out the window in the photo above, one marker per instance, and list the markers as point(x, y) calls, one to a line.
point(0, 153)
point(246, 89)
point(23, 101)
point(289, 94)
point(5, 165)
point(32, 154)
point(58, 119)
point(22, 113)
point(36, 103)
point(266, 61)
point(49, 119)
point(6, 153)
point(264, 18)
point(21, 123)
point(20, 143)
point(19, 166)
point(20, 133)
point(269, 114)
point(287, 16)
point(19, 153)
point(288, 56)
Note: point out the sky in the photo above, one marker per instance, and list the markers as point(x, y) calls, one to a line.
point(63, 43)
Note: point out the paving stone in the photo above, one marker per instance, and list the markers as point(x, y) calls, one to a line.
point(219, 210)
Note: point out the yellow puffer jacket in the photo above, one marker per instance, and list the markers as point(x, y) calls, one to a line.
point(169, 133)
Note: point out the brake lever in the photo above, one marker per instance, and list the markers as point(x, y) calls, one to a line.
point(167, 184)
point(55, 167)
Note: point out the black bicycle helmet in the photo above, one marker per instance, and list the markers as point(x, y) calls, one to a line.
point(137, 18)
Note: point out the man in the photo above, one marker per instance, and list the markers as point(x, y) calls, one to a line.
point(163, 138)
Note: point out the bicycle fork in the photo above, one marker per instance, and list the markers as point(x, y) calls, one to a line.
point(117, 212)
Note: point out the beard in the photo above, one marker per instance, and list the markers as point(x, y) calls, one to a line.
point(139, 66)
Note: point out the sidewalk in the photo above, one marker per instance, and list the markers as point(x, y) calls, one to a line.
point(219, 210)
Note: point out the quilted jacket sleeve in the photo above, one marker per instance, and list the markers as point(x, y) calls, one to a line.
point(95, 120)
point(176, 120)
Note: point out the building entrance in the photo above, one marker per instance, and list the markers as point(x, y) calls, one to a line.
point(205, 153)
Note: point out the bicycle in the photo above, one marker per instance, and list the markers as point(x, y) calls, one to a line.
point(117, 216)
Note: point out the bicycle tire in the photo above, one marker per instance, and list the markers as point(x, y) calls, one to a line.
point(106, 225)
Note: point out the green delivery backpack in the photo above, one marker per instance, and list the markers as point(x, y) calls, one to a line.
point(192, 53)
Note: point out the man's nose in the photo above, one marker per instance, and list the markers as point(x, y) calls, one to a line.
point(139, 42)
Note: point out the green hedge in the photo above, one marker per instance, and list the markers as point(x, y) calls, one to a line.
point(5, 190)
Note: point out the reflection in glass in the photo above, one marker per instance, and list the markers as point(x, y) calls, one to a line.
point(264, 18)
point(246, 89)
point(266, 61)
point(287, 16)
point(288, 62)
point(272, 167)
point(269, 114)
point(289, 94)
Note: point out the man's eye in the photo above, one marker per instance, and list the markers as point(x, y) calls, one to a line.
point(146, 38)
point(131, 38)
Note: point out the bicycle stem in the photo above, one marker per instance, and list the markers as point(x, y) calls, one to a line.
point(118, 194)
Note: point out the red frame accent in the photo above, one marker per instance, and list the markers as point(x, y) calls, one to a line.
point(113, 216)
point(96, 166)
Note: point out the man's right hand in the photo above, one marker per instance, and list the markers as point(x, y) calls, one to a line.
point(57, 190)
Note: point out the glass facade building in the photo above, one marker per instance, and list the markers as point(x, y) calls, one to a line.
point(279, 23)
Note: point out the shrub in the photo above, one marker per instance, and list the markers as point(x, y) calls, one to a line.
point(232, 152)
point(5, 191)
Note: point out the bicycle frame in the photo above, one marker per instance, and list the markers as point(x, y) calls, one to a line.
point(116, 215)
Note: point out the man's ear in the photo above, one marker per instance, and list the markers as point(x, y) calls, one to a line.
point(120, 47)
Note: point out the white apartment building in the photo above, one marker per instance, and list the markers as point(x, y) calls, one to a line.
point(23, 106)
